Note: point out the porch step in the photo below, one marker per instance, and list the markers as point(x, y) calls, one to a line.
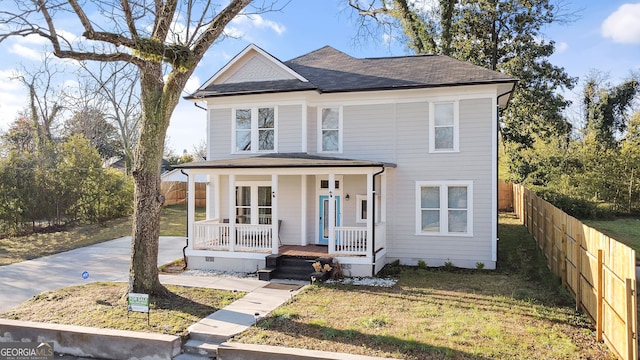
point(293, 267)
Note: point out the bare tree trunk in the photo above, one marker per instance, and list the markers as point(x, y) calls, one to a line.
point(146, 175)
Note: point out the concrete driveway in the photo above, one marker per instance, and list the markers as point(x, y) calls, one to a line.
point(107, 261)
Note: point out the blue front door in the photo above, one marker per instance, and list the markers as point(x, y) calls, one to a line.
point(324, 218)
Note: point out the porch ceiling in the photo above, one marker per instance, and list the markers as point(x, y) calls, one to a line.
point(288, 160)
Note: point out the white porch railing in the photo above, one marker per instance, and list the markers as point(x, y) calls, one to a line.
point(213, 235)
point(253, 237)
point(351, 240)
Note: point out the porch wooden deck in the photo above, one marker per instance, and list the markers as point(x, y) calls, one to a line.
point(307, 251)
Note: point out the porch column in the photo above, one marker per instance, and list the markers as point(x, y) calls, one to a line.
point(332, 213)
point(191, 207)
point(303, 210)
point(232, 212)
point(370, 220)
point(274, 214)
point(207, 196)
point(215, 206)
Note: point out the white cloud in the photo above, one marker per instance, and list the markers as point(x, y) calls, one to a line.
point(241, 24)
point(25, 52)
point(12, 97)
point(623, 25)
point(192, 84)
point(561, 47)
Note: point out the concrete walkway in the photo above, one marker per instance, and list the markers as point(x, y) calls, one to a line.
point(107, 261)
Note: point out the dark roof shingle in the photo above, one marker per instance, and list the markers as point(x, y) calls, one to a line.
point(329, 70)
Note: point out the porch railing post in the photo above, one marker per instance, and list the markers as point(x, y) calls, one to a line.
point(191, 207)
point(332, 213)
point(274, 214)
point(232, 212)
point(370, 219)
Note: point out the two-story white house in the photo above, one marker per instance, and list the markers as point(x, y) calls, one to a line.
point(364, 160)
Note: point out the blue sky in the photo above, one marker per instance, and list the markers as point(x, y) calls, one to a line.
point(604, 36)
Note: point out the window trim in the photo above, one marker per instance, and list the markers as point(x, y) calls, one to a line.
point(255, 130)
point(444, 224)
point(456, 127)
point(340, 129)
point(359, 199)
point(253, 200)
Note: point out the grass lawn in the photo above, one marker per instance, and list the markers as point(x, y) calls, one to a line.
point(15, 249)
point(516, 312)
point(626, 230)
point(103, 305)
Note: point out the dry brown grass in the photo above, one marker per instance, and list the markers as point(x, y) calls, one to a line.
point(104, 305)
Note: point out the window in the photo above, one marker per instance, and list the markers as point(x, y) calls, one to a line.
point(324, 184)
point(361, 208)
point(255, 126)
point(253, 204)
point(444, 208)
point(443, 127)
point(330, 130)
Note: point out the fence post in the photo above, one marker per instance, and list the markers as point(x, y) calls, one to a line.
point(631, 310)
point(578, 271)
point(599, 291)
point(563, 256)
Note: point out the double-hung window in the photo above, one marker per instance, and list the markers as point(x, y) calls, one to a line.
point(444, 208)
point(443, 127)
point(255, 130)
point(330, 130)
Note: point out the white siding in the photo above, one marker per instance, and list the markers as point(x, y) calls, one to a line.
point(289, 209)
point(312, 130)
point(353, 185)
point(289, 128)
point(219, 134)
point(369, 132)
point(473, 163)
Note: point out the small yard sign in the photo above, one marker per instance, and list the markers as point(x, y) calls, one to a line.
point(139, 303)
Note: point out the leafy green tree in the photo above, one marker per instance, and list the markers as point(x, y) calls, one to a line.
point(607, 109)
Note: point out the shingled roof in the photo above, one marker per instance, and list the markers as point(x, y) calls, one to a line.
point(329, 70)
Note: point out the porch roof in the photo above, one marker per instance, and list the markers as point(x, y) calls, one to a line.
point(288, 160)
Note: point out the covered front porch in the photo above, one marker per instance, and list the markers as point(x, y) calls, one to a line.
point(304, 201)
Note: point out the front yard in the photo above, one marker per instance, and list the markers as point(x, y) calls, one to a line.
point(516, 312)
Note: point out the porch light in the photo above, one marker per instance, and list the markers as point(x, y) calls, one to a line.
point(330, 193)
point(347, 197)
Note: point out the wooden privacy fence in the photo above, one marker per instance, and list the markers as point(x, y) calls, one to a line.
point(600, 272)
point(175, 193)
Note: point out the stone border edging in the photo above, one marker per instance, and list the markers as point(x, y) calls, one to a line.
point(93, 342)
point(238, 351)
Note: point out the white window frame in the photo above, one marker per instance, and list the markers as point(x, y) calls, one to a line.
point(255, 131)
point(340, 129)
point(253, 205)
point(456, 127)
point(444, 219)
point(359, 199)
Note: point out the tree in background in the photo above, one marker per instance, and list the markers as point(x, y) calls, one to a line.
point(91, 122)
point(165, 40)
point(117, 86)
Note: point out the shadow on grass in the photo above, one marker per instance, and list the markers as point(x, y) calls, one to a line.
point(385, 343)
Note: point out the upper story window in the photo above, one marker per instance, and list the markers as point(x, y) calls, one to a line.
point(330, 134)
point(255, 130)
point(444, 208)
point(443, 127)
